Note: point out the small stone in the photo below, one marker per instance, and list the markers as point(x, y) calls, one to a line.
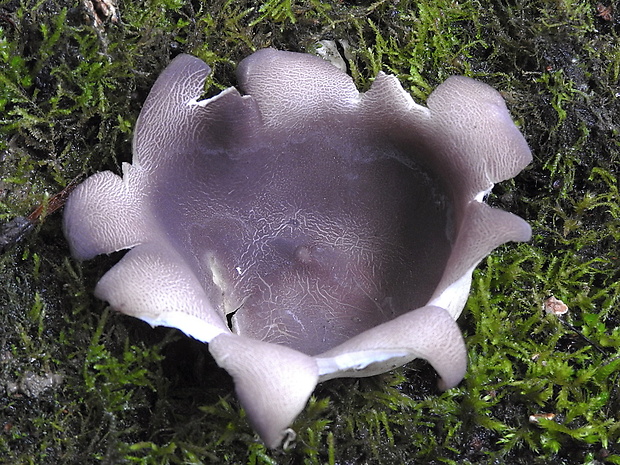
point(32, 385)
point(12, 388)
point(336, 52)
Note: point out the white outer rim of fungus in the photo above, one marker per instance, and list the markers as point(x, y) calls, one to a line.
point(188, 324)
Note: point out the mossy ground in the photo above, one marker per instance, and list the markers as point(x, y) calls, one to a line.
point(69, 97)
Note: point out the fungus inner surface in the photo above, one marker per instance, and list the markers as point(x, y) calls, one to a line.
point(307, 240)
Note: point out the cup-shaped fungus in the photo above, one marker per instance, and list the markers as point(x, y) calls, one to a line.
point(302, 229)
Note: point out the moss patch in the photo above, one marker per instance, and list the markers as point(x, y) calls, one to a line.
point(539, 389)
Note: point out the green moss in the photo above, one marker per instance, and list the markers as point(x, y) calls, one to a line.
point(69, 98)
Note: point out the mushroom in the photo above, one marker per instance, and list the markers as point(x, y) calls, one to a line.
point(302, 229)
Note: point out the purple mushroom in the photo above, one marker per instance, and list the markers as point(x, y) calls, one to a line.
point(302, 229)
